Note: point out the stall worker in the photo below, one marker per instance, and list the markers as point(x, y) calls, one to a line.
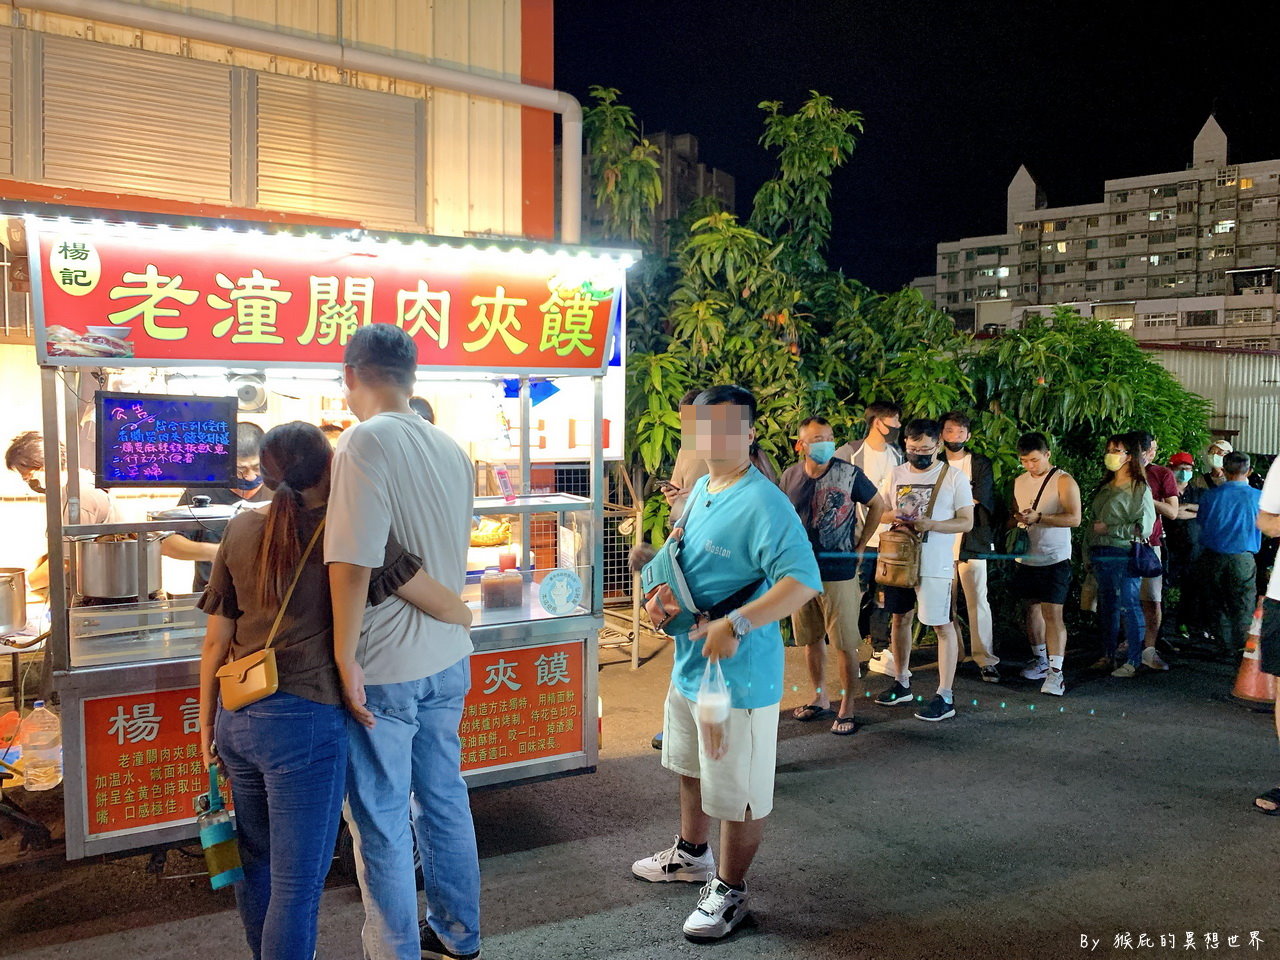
point(202, 545)
point(25, 457)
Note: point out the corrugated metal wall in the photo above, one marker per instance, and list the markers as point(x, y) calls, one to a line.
point(138, 122)
point(1243, 387)
point(338, 151)
point(6, 102)
point(468, 163)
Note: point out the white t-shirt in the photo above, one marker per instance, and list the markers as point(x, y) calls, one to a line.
point(397, 474)
point(876, 464)
point(96, 506)
point(1270, 503)
point(906, 494)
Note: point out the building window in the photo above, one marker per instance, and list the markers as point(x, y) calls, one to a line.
point(1059, 268)
point(1224, 226)
point(1119, 264)
point(1168, 236)
point(1200, 318)
point(1029, 287)
point(1159, 320)
point(1186, 185)
point(1121, 196)
point(1166, 283)
point(1091, 243)
point(1164, 213)
point(1092, 222)
point(1249, 315)
point(1186, 231)
point(1221, 253)
point(1060, 225)
point(1203, 343)
point(1091, 286)
point(1246, 183)
point(951, 259)
point(1047, 226)
point(968, 255)
point(1246, 206)
point(1121, 219)
point(1186, 254)
point(1090, 266)
point(1227, 177)
point(1117, 285)
point(1061, 246)
point(1031, 245)
point(1169, 191)
point(1186, 206)
point(1119, 241)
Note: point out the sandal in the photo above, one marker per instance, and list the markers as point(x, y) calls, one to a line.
point(844, 727)
point(1271, 796)
point(810, 711)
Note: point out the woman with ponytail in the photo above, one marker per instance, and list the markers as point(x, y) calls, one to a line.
point(286, 754)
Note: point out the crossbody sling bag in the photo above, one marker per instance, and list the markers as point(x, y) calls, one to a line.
point(1018, 541)
point(667, 598)
point(254, 676)
point(898, 563)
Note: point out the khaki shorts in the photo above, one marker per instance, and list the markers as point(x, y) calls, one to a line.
point(739, 781)
point(832, 614)
point(1151, 589)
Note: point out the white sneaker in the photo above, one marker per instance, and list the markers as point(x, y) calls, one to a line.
point(673, 864)
point(719, 912)
point(1038, 670)
point(882, 662)
point(1054, 683)
point(1152, 660)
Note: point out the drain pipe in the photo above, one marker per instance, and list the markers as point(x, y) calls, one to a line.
point(362, 61)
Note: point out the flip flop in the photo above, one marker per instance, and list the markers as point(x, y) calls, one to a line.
point(1272, 795)
point(810, 711)
point(853, 727)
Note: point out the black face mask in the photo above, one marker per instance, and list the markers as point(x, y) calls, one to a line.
point(953, 446)
point(921, 461)
point(893, 435)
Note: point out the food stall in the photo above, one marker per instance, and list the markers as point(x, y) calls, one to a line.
point(160, 336)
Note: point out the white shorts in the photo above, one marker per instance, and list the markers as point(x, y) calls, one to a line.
point(931, 599)
point(1151, 589)
point(739, 781)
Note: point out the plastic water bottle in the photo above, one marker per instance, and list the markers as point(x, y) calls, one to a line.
point(42, 748)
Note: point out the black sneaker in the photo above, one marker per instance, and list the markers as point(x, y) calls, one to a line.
point(990, 674)
point(894, 695)
point(434, 949)
point(935, 710)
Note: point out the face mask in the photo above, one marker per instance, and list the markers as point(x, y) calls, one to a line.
point(921, 461)
point(1113, 461)
point(893, 434)
point(820, 451)
point(240, 483)
point(1183, 475)
point(36, 485)
point(953, 446)
point(1215, 461)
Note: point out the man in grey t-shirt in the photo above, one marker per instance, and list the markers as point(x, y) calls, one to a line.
point(405, 674)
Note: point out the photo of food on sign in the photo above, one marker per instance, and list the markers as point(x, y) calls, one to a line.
point(104, 342)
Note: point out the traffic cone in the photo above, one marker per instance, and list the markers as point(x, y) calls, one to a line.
point(1251, 682)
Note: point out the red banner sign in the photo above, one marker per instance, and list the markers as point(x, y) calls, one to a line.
point(142, 760)
point(524, 704)
point(148, 296)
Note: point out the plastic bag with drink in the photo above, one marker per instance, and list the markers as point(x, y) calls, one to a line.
point(713, 712)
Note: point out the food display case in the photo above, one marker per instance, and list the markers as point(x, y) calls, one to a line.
point(510, 319)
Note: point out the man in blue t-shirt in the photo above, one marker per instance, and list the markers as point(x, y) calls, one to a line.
point(1229, 538)
point(739, 530)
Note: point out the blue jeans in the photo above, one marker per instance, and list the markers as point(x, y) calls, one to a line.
point(409, 765)
point(1118, 597)
point(287, 759)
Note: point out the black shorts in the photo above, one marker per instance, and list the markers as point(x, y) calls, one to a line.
point(898, 599)
point(1049, 584)
point(1270, 642)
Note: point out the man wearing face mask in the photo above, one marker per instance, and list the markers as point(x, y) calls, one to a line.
point(1213, 475)
point(1182, 546)
point(25, 457)
point(202, 545)
point(971, 564)
point(876, 455)
point(827, 493)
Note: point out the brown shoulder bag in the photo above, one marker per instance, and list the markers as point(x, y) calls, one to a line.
point(898, 562)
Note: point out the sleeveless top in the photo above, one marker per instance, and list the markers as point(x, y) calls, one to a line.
point(1049, 545)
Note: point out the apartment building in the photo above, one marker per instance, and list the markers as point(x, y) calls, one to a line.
point(1182, 257)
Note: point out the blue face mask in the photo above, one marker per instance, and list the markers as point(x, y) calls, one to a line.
point(239, 483)
point(820, 451)
point(1183, 475)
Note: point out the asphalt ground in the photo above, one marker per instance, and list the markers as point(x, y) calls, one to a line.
point(1013, 831)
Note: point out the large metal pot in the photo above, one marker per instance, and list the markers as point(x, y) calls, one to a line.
point(13, 599)
point(108, 569)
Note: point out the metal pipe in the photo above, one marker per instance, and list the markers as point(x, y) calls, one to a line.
point(348, 58)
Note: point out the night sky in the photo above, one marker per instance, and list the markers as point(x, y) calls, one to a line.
point(955, 97)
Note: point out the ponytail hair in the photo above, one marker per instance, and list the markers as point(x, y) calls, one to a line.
point(295, 458)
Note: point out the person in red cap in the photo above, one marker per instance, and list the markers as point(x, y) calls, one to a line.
point(1182, 540)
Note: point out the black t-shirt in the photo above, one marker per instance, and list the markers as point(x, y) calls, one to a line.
point(827, 506)
point(218, 497)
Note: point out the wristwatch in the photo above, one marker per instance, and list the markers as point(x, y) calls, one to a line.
point(738, 620)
